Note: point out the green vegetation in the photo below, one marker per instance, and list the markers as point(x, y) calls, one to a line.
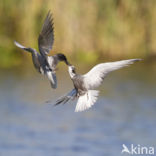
point(87, 30)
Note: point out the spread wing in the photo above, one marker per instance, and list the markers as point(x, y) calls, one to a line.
point(96, 75)
point(22, 47)
point(46, 37)
point(64, 99)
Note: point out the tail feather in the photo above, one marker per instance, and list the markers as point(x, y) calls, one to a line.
point(87, 100)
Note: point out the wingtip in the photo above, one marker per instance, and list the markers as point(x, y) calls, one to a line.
point(48, 101)
point(57, 102)
point(15, 42)
point(19, 45)
point(136, 60)
point(139, 59)
point(50, 16)
point(49, 12)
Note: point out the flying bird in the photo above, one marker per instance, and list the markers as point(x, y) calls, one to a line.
point(85, 85)
point(43, 63)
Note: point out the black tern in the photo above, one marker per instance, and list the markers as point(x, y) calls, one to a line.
point(84, 85)
point(43, 63)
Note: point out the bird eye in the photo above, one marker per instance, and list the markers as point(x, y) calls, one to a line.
point(73, 70)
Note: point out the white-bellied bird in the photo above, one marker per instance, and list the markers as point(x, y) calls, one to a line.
point(43, 63)
point(85, 85)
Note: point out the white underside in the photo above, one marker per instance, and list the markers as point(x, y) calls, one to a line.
point(52, 78)
point(87, 100)
point(50, 60)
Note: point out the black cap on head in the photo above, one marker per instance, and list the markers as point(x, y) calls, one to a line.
point(62, 57)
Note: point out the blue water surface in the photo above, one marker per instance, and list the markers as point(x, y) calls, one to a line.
point(125, 113)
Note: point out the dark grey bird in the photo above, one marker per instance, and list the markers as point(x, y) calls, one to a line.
point(43, 63)
point(84, 85)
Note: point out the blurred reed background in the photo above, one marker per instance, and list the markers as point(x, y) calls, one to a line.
point(87, 31)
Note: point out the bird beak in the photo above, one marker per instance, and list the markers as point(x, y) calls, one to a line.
point(67, 63)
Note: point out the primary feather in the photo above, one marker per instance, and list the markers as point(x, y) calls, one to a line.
point(24, 48)
point(96, 75)
point(71, 95)
point(46, 37)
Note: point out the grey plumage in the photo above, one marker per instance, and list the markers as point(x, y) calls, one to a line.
point(64, 99)
point(46, 37)
point(43, 63)
point(84, 85)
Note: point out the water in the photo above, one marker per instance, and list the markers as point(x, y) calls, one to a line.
point(125, 113)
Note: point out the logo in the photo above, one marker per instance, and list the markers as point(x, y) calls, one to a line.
point(137, 150)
